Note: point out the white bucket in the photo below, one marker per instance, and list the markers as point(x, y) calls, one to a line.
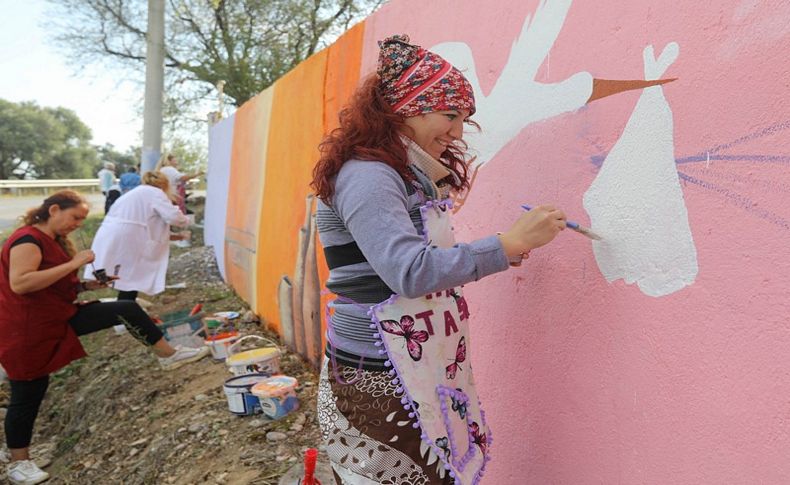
point(219, 344)
point(241, 400)
point(264, 360)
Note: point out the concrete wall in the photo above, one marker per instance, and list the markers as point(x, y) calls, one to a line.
point(659, 355)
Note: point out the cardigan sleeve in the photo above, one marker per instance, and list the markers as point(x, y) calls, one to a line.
point(371, 199)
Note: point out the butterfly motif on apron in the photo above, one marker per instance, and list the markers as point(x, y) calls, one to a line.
point(425, 341)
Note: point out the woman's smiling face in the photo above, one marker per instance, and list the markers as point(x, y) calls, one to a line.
point(433, 132)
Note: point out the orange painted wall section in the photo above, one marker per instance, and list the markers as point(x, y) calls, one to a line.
point(342, 75)
point(248, 162)
point(295, 129)
point(304, 109)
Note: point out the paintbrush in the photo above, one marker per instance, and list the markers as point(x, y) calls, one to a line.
point(99, 274)
point(575, 226)
point(85, 246)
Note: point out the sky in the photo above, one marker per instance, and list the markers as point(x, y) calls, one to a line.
point(33, 69)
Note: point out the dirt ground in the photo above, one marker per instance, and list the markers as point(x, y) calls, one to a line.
point(116, 417)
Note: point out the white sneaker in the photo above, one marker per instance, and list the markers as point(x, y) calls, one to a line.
point(183, 355)
point(25, 472)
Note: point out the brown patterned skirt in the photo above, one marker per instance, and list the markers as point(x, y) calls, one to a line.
point(369, 436)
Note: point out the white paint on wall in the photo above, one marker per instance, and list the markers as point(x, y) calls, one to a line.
point(220, 144)
point(636, 202)
point(517, 99)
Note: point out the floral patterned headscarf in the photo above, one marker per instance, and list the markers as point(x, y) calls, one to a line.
point(416, 81)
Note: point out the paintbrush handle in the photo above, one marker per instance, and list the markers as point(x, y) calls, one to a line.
point(84, 246)
point(570, 224)
point(585, 231)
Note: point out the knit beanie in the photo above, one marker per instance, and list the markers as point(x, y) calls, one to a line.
point(416, 81)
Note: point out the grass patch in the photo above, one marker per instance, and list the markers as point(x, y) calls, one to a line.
point(72, 369)
point(68, 443)
point(83, 237)
point(5, 233)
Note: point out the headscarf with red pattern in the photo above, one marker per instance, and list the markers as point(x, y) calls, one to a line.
point(416, 81)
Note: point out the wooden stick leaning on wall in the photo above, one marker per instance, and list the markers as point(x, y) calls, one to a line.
point(285, 305)
point(311, 299)
point(298, 282)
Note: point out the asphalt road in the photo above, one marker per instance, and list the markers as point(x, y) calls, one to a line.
point(13, 207)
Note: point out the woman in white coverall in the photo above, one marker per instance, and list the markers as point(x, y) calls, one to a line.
point(135, 236)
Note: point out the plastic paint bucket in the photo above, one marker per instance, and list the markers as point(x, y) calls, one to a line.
point(277, 396)
point(218, 344)
point(241, 401)
point(264, 360)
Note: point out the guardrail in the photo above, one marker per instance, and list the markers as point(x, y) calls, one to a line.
point(18, 187)
point(17, 184)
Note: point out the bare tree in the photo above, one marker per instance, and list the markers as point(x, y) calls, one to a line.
point(247, 43)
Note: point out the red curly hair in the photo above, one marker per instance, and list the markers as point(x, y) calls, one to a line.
point(370, 130)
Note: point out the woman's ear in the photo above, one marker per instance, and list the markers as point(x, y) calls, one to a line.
point(53, 210)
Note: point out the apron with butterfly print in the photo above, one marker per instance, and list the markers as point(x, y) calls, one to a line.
point(425, 341)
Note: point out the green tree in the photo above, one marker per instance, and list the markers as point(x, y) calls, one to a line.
point(38, 142)
point(192, 157)
point(121, 160)
point(246, 43)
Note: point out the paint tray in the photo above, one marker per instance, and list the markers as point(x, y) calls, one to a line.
point(181, 328)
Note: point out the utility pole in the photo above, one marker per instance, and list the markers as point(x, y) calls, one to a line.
point(154, 86)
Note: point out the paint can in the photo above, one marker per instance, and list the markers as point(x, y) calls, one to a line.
point(241, 400)
point(277, 396)
point(260, 360)
point(219, 343)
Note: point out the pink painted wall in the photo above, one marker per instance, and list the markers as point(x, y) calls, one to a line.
point(587, 381)
point(679, 374)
